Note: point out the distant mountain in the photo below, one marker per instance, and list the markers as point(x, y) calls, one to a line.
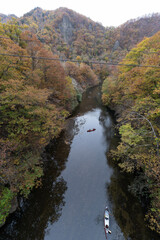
point(133, 31)
point(70, 34)
point(67, 32)
point(5, 18)
point(129, 34)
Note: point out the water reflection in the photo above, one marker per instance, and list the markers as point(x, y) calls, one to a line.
point(86, 175)
point(44, 205)
point(106, 121)
point(127, 218)
point(127, 210)
point(91, 100)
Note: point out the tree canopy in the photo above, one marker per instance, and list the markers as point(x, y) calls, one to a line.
point(134, 93)
point(36, 96)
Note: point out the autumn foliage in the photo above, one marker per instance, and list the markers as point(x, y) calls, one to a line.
point(36, 96)
point(37, 92)
point(134, 92)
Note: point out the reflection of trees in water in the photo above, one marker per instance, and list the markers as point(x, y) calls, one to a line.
point(91, 99)
point(44, 205)
point(127, 209)
point(31, 223)
point(106, 120)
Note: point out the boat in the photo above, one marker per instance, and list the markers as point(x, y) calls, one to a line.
point(91, 130)
point(106, 222)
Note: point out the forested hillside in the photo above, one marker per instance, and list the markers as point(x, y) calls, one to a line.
point(36, 96)
point(132, 32)
point(5, 18)
point(70, 34)
point(133, 91)
point(66, 32)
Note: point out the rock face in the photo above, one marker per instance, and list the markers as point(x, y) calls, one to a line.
point(116, 46)
point(66, 29)
point(77, 86)
point(14, 205)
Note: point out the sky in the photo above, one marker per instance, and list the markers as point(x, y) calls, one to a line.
point(107, 12)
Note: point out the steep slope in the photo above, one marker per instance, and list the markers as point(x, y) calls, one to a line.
point(5, 18)
point(69, 34)
point(134, 92)
point(129, 34)
point(36, 95)
point(66, 32)
point(133, 31)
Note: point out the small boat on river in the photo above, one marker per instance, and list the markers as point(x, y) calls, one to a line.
point(106, 222)
point(91, 130)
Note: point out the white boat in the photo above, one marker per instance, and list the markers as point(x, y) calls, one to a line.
point(106, 222)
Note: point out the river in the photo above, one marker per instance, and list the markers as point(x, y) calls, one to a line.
point(78, 183)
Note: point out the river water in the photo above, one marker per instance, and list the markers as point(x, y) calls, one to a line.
point(79, 182)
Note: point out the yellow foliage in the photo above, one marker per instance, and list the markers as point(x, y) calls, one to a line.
point(135, 93)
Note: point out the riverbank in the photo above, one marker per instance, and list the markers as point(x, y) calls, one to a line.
point(144, 186)
point(36, 97)
point(32, 179)
point(134, 94)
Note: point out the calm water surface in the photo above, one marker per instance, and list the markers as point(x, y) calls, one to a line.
point(79, 182)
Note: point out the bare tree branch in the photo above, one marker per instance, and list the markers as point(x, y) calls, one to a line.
point(153, 131)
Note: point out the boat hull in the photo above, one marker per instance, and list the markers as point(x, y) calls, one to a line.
point(106, 221)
